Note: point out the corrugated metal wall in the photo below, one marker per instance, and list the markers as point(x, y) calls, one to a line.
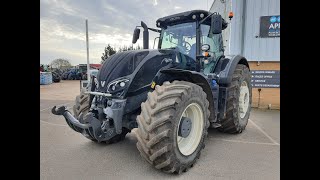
point(256, 48)
point(236, 26)
point(245, 27)
point(223, 9)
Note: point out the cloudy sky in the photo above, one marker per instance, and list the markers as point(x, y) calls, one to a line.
point(62, 24)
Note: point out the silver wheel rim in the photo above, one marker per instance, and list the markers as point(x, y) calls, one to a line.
point(190, 143)
point(244, 99)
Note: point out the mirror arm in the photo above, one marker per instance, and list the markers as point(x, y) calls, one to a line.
point(155, 30)
point(200, 22)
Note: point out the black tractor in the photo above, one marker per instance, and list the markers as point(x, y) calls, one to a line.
point(172, 94)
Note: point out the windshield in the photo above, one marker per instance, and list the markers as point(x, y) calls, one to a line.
point(180, 36)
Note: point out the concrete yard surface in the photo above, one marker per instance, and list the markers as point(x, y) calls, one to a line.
point(66, 154)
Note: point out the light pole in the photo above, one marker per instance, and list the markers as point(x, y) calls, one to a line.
point(88, 63)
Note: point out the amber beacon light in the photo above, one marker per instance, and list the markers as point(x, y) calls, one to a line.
point(230, 15)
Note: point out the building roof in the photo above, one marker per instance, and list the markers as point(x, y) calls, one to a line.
point(96, 66)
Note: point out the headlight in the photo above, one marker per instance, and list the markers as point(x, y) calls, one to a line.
point(117, 85)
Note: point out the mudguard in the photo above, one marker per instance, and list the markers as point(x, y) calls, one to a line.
point(199, 79)
point(194, 76)
point(226, 66)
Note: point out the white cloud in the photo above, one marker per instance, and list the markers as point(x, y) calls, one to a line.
point(62, 25)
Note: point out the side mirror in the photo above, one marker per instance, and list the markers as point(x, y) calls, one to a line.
point(136, 34)
point(216, 24)
point(205, 47)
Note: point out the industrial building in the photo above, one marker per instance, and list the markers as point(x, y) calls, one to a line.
point(254, 32)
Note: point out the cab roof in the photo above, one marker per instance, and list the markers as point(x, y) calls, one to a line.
point(182, 17)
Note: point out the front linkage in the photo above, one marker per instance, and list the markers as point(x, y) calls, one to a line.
point(97, 121)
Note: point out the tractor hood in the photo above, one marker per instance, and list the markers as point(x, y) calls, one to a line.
point(120, 64)
point(137, 67)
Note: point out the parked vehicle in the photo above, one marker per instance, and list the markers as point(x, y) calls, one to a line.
point(74, 74)
point(56, 75)
point(172, 94)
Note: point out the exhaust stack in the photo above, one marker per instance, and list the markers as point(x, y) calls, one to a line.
point(145, 35)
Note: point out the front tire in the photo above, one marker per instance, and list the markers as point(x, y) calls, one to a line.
point(238, 102)
point(159, 121)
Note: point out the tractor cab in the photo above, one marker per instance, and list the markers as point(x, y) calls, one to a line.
point(196, 34)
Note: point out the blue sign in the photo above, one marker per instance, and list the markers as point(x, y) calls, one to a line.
point(270, 26)
point(273, 19)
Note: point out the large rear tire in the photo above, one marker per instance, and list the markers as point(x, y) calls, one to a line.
point(159, 122)
point(238, 102)
point(82, 106)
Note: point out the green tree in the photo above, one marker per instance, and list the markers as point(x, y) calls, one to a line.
point(128, 48)
point(108, 51)
point(60, 63)
point(124, 48)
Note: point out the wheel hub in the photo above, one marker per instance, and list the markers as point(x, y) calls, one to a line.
point(244, 99)
point(185, 127)
point(190, 129)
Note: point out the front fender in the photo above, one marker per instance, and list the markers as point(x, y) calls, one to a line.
point(193, 76)
point(226, 67)
point(196, 78)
